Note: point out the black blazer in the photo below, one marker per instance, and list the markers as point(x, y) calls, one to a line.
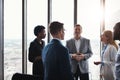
point(35, 50)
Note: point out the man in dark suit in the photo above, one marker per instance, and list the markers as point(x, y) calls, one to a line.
point(80, 51)
point(55, 56)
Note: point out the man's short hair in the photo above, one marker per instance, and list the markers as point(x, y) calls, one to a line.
point(38, 29)
point(77, 25)
point(55, 27)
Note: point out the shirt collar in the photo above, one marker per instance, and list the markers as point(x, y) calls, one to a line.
point(57, 39)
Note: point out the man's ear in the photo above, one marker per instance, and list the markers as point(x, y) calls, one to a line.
point(80, 31)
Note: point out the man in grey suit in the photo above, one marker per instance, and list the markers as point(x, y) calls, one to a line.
point(116, 36)
point(80, 51)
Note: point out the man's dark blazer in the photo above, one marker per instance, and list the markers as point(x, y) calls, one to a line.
point(56, 62)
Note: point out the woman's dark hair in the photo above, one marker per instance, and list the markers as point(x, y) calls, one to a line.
point(38, 29)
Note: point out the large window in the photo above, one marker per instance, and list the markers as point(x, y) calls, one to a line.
point(89, 19)
point(112, 13)
point(62, 10)
point(88, 16)
point(12, 38)
point(36, 15)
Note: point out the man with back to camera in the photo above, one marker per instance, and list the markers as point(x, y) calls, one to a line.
point(116, 36)
point(55, 56)
point(80, 51)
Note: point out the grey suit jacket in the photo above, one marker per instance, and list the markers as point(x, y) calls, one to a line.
point(85, 48)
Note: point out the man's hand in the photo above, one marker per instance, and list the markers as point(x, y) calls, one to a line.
point(97, 62)
point(38, 58)
point(80, 57)
point(74, 56)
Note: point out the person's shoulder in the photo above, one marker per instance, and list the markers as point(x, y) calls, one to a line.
point(111, 46)
point(46, 47)
point(62, 48)
point(32, 42)
point(69, 40)
point(85, 38)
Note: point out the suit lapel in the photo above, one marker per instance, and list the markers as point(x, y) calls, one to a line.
point(81, 43)
point(73, 41)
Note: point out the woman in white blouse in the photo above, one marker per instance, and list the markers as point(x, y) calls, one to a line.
point(107, 56)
